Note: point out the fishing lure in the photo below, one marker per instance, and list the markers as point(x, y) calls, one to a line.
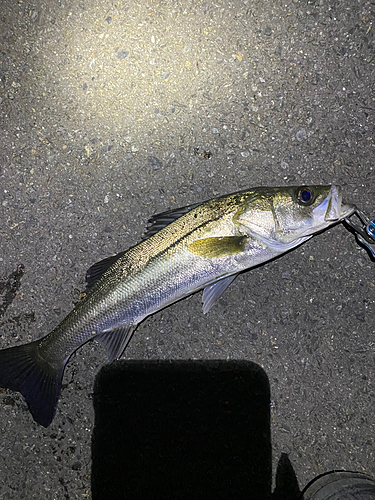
point(365, 233)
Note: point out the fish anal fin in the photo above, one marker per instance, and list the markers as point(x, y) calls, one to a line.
point(216, 247)
point(116, 340)
point(212, 292)
point(160, 221)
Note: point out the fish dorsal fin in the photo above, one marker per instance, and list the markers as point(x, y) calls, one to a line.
point(213, 292)
point(116, 340)
point(219, 246)
point(96, 271)
point(160, 221)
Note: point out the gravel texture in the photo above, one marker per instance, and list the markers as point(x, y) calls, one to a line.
point(111, 111)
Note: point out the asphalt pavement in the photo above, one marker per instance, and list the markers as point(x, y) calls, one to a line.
point(112, 111)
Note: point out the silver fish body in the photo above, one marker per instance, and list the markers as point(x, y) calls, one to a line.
point(201, 246)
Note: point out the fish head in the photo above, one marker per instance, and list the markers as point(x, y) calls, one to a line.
point(290, 214)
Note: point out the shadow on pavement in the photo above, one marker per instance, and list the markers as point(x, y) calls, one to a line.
point(183, 429)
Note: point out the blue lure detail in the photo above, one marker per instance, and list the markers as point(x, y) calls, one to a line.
point(370, 228)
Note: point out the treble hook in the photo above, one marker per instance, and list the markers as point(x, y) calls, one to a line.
point(365, 235)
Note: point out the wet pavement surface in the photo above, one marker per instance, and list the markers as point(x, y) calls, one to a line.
point(113, 111)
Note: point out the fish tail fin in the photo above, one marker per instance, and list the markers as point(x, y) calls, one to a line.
point(23, 369)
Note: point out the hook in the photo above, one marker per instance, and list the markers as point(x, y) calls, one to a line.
point(365, 235)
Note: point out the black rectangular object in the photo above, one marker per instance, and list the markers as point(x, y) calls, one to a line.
point(181, 430)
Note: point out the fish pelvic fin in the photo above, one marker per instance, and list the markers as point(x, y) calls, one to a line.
point(22, 369)
point(212, 292)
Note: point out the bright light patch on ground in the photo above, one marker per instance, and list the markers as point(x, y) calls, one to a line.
point(118, 70)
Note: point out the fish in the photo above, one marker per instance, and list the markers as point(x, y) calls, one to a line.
point(201, 246)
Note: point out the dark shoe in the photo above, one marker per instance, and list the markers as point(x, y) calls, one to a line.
point(340, 485)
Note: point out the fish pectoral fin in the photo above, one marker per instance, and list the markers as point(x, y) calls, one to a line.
point(116, 340)
point(96, 271)
point(220, 246)
point(160, 221)
point(213, 292)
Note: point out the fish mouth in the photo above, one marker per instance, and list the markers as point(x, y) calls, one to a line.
point(336, 210)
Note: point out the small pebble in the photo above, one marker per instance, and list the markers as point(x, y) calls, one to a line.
point(155, 162)
point(268, 31)
point(301, 134)
point(122, 54)
point(284, 164)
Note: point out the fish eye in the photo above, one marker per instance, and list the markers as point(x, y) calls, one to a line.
point(305, 196)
